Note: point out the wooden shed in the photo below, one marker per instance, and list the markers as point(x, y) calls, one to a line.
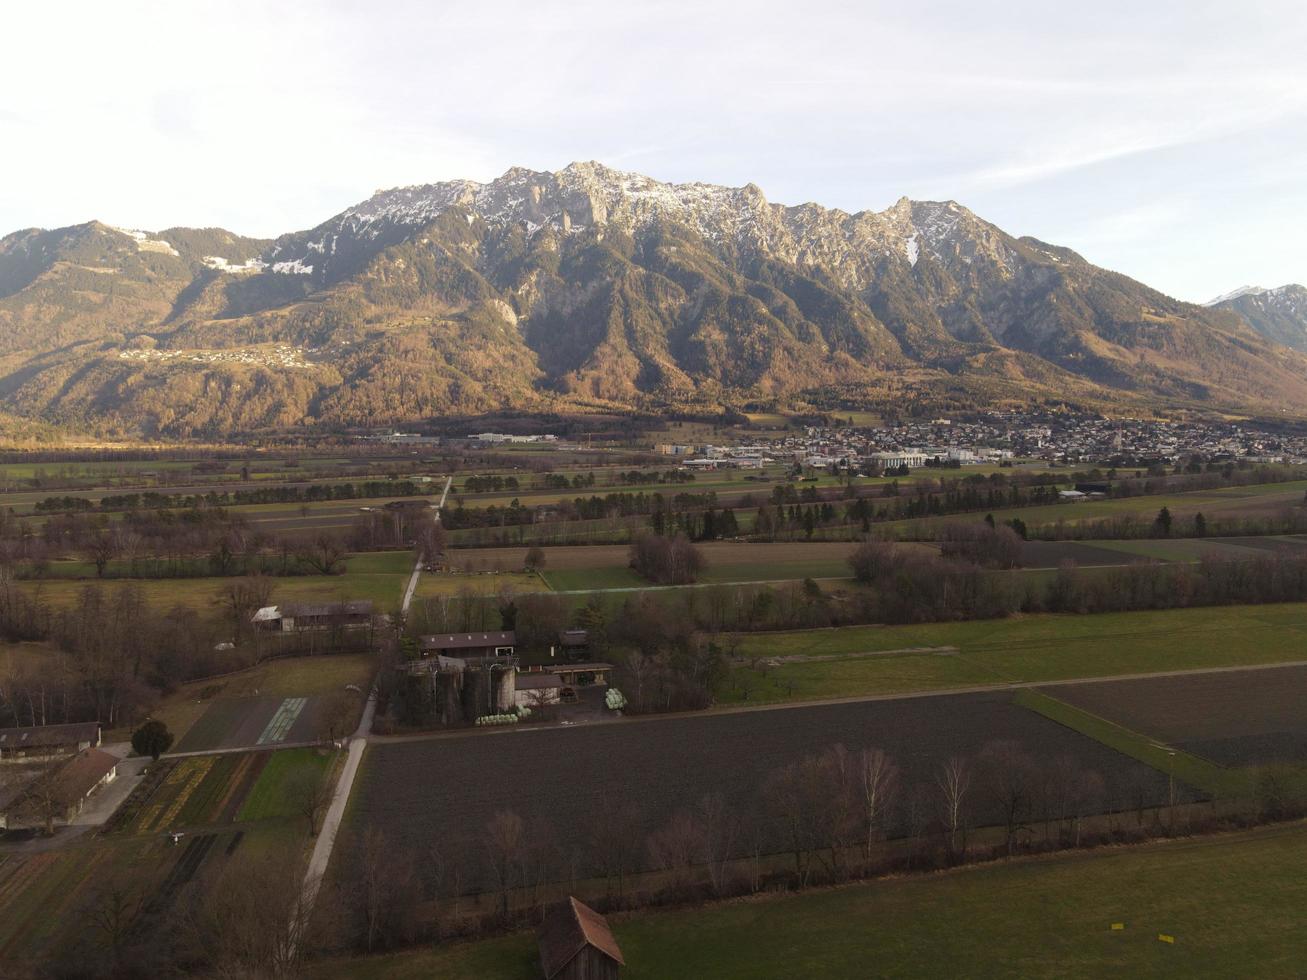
point(576, 944)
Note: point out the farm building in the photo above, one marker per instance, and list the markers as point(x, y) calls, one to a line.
point(576, 944)
point(469, 646)
point(535, 690)
point(59, 796)
point(584, 674)
point(47, 741)
point(314, 616)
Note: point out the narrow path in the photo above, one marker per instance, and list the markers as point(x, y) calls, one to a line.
point(326, 839)
point(417, 568)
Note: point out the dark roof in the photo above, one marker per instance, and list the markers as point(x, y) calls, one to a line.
point(574, 638)
point(44, 736)
point(568, 928)
point(355, 607)
point(573, 668)
point(468, 641)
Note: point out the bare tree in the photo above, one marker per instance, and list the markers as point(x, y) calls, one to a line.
point(310, 794)
point(676, 848)
point(506, 844)
point(1010, 779)
point(112, 912)
point(721, 830)
point(954, 782)
point(253, 920)
point(383, 887)
point(326, 555)
point(879, 780)
point(614, 841)
point(241, 598)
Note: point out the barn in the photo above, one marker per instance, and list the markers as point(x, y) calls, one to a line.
point(576, 944)
point(59, 796)
point(47, 741)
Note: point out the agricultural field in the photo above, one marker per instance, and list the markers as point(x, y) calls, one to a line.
point(870, 660)
point(1031, 917)
point(380, 576)
point(226, 805)
point(1265, 500)
point(1235, 719)
point(236, 710)
point(479, 583)
point(561, 780)
point(606, 566)
point(206, 791)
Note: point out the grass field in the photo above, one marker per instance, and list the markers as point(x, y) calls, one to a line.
point(1228, 502)
point(483, 583)
point(1229, 902)
point(896, 659)
point(273, 794)
point(379, 576)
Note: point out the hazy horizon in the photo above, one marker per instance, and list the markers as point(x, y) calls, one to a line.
point(1166, 143)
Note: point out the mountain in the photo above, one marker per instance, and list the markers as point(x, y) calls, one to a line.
point(1277, 314)
point(591, 288)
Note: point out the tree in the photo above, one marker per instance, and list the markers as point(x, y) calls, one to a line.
point(676, 848)
point(878, 779)
point(1010, 779)
point(112, 912)
point(1163, 522)
point(152, 739)
point(535, 559)
point(309, 793)
point(326, 555)
point(1200, 525)
point(954, 782)
point(103, 549)
point(506, 845)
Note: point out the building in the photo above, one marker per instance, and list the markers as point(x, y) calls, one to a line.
point(910, 458)
point(576, 944)
point(47, 741)
point(469, 646)
point(314, 616)
point(59, 796)
point(536, 690)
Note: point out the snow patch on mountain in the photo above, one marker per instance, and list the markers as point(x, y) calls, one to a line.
point(144, 243)
point(1235, 294)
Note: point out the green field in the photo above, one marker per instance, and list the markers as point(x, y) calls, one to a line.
point(272, 796)
point(1230, 903)
point(1047, 647)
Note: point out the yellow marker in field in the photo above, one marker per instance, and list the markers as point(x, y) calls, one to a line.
point(1118, 926)
point(1164, 938)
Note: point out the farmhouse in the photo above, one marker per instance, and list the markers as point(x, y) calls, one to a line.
point(469, 646)
point(576, 944)
point(59, 796)
point(314, 616)
point(47, 741)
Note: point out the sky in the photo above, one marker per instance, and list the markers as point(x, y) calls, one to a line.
point(1166, 140)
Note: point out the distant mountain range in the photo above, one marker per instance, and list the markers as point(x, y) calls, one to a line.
point(1277, 314)
point(590, 288)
